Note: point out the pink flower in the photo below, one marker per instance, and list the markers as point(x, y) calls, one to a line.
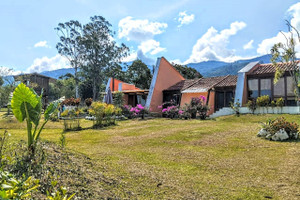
point(180, 112)
point(137, 111)
point(159, 107)
point(164, 110)
point(140, 107)
point(132, 110)
point(203, 98)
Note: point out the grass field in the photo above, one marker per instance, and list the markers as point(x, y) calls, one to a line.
point(185, 159)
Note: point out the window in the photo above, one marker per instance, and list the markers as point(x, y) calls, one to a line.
point(265, 87)
point(253, 88)
point(279, 88)
point(290, 86)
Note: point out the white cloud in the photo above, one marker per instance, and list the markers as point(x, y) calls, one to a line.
point(139, 30)
point(48, 64)
point(213, 45)
point(185, 18)
point(249, 45)
point(42, 44)
point(151, 46)
point(5, 71)
point(265, 46)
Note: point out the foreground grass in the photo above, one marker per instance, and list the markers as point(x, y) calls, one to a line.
point(177, 159)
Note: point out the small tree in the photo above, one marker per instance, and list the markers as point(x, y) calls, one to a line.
point(285, 52)
point(119, 99)
point(187, 72)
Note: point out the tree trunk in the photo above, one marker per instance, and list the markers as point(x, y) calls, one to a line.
point(94, 90)
point(76, 82)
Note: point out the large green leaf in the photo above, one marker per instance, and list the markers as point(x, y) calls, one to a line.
point(21, 95)
point(50, 109)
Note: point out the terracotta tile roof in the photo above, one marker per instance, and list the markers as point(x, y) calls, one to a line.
point(270, 68)
point(228, 81)
point(204, 84)
point(182, 85)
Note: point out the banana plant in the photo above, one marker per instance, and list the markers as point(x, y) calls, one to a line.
point(27, 105)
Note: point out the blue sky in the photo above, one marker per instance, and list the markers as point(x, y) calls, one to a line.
point(183, 31)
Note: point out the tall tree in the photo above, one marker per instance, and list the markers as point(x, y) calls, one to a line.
point(187, 72)
point(285, 52)
point(139, 74)
point(101, 51)
point(69, 46)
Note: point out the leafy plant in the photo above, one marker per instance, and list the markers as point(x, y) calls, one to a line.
point(88, 102)
point(280, 102)
point(12, 188)
point(251, 104)
point(263, 101)
point(97, 110)
point(273, 126)
point(119, 99)
point(236, 107)
point(27, 105)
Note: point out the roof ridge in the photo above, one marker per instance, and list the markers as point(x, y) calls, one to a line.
point(196, 81)
point(219, 81)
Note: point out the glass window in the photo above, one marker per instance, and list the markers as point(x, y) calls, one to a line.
point(290, 86)
point(279, 88)
point(253, 88)
point(265, 87)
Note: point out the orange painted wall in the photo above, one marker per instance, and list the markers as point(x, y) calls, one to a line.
point(186, 98)
point(125, 86)
point(166, 77)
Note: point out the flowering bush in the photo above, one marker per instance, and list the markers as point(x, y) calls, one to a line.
point(102, 111)
point(198, 105)
point(273, 129)
point(263, 101)
point(139, 110)
point(171, 112)
point(126, 111)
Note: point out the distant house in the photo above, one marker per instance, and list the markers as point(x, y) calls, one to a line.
point(38, 81)
point(252, 81)
point(132, 94)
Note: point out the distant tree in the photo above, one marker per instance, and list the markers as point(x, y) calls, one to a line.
point(187, 72)
point(6, 85)
point(118, 72)
point(139, 74)
point(285, 52)
point(69, 46)
point(62, 87)
point(101, 51)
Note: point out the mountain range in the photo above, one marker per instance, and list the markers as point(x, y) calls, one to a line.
point(206, 68)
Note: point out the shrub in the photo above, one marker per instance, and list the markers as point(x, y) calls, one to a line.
point(119, 99)
point(71, 102)
point(251, 104)
point(12, 188)
point(198, 105)
point(236, 107)
point(273, 126)
point(26, 104)
point(139, 111)
point(88, 102)
point(280, 102)
point(126, 111)
point(97, 110)
point(171, 112)
point(263, 101)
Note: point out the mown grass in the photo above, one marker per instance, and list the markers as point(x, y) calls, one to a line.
point(185, 159)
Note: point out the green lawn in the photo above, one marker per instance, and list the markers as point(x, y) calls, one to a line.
point(185, 159)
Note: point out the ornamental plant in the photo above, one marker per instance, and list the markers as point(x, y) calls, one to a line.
point(171, 112)
point(236, 107)
point(263, 101)
point(251, 105)
point(27, 105)
point(273, 126)
point(97, 110)
point(139, 111)
point(126, 111)
point(198, 105)
point(88, 102)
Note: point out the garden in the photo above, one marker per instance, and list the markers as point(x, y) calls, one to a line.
point(124, 152)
